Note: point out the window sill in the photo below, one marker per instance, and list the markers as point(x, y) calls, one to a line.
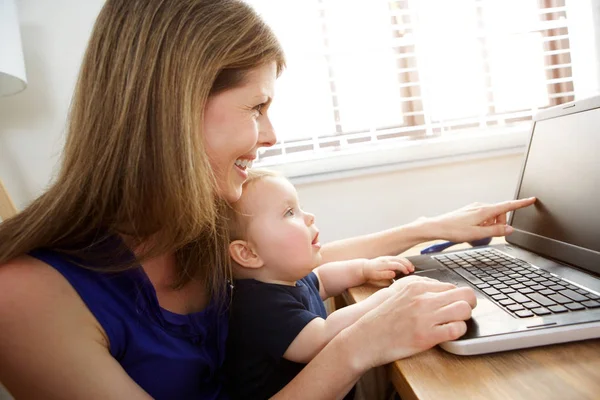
point(405, 155)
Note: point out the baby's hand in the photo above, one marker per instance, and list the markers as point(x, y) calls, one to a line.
point(385, 267)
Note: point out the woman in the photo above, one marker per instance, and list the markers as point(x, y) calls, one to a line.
point(113, 284)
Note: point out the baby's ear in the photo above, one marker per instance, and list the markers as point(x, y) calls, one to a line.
point(243, 254)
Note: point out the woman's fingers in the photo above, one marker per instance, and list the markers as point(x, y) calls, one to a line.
point(450, 331)
point(501, 219)
point(420, 314)
point(461, 294)
point(507, 206)
point(494, 230)
point(456, 311)
point(415, 285)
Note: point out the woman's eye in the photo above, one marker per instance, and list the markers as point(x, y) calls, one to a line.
point(289, 213)
point(259, 109)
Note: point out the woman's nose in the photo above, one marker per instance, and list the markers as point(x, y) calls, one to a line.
point(266, 134)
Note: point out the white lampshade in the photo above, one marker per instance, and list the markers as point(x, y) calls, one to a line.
point(12, 64)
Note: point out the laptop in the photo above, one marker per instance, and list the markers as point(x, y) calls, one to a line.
point(543, 286)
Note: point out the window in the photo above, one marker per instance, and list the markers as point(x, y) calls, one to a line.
point(369, 74)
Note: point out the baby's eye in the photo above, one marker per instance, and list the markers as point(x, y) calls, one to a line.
point(289, 213)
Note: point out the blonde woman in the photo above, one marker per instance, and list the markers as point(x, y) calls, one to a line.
point(113, 283)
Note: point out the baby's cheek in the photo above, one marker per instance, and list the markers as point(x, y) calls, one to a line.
point(294, 244)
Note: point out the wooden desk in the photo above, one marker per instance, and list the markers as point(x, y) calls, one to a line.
point(563, 371)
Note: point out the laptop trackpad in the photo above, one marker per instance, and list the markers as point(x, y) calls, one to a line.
point(443, 275)
point(487, 318)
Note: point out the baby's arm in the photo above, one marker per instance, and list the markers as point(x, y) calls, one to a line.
point(315, 336)
point(337, 276)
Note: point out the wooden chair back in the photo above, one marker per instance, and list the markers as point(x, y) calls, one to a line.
point(7, 207)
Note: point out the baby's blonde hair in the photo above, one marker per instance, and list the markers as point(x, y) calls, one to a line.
point(238, 219)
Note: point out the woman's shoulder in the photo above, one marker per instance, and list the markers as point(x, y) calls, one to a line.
point(30, 287)
point(46, 282)
point(36, 299)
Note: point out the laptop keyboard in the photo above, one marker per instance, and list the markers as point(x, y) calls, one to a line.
point(517, 286)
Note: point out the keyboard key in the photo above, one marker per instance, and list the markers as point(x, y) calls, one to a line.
point(530, 283)
point(581, 291)
point(518, 286)
point(507, 290)
point(483, 285)
point(519, 298)
point(524, 313)
point(490, 291)
point(514, 307)
point(593, 296)
point(547, 292)
point(554, 279)
point(541, 311)
point(547, 283)
point(525, 291)
point(560, 299)
point(530, 305)
point(557, 309)
point(539, 279)
point(506, 302)
point(537, 288)
point(499, 297)
point(522, 279)
point(501, 286)
point(573, 295)
point(591, 304)
point(557, 287)
point(543, 300)
point(572, 287)
point(494, 282)
point(503, 279)
point(468, 276)
point(574, 306)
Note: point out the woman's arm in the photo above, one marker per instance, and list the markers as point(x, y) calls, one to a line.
point(418, 315)
point(475, 221)
point(389, 242)
point(51, 346)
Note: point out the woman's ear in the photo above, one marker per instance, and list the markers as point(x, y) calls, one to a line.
point(243, 254)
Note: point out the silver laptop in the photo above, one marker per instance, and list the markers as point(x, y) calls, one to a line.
point(543, 286)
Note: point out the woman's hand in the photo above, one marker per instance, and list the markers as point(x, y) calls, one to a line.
point(385, 267)
point(420, 314)
point(477, 221)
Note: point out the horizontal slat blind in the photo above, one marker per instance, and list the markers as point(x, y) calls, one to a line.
point(368, 73)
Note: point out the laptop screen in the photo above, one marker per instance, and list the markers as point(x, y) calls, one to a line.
point(563, 171)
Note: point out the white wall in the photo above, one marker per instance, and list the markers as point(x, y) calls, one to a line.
point(354, 206)
point(54, 35)
point(32, 134)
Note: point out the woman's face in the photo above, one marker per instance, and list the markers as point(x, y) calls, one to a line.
point(236, 125)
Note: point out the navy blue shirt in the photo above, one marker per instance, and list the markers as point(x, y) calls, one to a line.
point(171, 356)
point(265, 319)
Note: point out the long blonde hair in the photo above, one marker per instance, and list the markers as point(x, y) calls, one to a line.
point(134, 162)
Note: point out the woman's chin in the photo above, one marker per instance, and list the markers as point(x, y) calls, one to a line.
point(231, 194)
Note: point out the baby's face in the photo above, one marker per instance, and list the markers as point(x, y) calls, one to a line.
point(284, 236)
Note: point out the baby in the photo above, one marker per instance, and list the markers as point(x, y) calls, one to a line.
point(278, 319)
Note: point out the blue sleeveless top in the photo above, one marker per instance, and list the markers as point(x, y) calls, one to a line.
point(171, 356)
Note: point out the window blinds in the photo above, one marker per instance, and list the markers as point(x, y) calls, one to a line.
point(369, 73)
